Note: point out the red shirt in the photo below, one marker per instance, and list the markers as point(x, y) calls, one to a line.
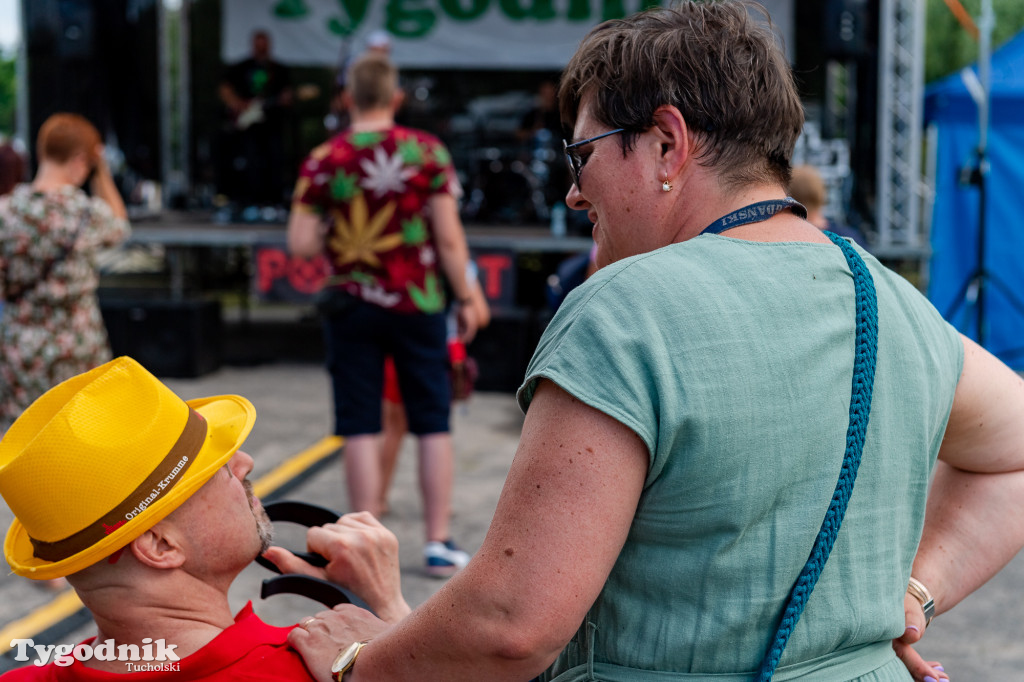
point(373, 190)
point(248, 650)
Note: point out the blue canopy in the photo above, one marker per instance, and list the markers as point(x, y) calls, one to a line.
point(955, 223)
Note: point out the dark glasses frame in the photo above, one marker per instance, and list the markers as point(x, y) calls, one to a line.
point(574, 160)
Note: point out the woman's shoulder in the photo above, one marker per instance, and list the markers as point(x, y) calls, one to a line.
point(21, 201)
point(71, 202)
point(20, 195)
point(677, 263)
point(65, 195)
point(27, 208)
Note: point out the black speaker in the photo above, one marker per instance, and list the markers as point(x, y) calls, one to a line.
point(170, 338)
point(503, 349)
point(99, 59)
point(851, 28)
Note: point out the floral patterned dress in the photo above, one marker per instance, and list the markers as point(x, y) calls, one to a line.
point(50, 328)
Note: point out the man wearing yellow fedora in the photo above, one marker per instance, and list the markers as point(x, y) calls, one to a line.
point(141, 500)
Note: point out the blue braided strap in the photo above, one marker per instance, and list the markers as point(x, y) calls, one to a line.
point(866, 352)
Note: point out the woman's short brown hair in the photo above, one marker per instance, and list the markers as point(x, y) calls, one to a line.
point(723, 70)
point(63, 135)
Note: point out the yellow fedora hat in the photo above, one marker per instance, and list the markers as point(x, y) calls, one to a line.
point(102, 457)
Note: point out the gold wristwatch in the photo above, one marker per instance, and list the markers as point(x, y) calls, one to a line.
point(345, 660)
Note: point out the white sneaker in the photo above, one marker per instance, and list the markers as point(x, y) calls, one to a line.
point(444, 558)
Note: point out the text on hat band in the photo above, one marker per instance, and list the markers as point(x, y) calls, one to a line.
point(164, 477)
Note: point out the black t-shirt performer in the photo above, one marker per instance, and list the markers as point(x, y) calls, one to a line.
point(257, 93)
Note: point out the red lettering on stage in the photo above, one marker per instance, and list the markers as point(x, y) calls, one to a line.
point(491, 266)
point(306, 276)
point(276, 269)
point(270, 265)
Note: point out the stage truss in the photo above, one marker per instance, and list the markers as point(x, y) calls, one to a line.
point(900, 189)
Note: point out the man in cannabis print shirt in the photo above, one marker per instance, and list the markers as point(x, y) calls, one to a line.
point(379, 200)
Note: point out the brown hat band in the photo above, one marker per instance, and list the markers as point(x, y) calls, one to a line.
point(167, 473)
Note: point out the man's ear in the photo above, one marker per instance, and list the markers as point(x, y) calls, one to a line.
point(159, 547)
point(672, 133)
point(398, 99)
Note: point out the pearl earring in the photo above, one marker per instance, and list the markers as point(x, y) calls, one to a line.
point(666, 187)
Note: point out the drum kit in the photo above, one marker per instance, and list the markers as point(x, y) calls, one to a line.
point(507, 188)
point(508, 179)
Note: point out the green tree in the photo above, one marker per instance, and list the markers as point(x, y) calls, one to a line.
point(948, 45)
point(8, 94)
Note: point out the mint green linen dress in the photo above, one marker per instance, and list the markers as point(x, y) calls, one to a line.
point(732, 361)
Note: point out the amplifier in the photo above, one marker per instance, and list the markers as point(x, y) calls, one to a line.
point(503, 349)
point(170, 338)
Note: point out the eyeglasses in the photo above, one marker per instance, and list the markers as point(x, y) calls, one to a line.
point(574, 160)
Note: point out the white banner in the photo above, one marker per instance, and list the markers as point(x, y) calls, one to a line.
point(462, 34)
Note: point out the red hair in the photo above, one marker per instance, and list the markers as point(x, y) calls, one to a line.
point(63, 135)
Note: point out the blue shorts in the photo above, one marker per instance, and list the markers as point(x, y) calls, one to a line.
point(357, 341)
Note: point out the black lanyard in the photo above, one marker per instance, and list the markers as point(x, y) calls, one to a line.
point(755, 213)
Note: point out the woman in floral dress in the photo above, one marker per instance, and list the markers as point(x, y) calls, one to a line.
point(50, 232)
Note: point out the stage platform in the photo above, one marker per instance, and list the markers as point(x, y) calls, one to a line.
point(199, 229)
point(182, 233)
point(188, 293)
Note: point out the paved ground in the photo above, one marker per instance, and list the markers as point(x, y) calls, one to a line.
point(979, 640)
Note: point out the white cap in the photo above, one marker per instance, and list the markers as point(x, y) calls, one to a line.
point(378, 38)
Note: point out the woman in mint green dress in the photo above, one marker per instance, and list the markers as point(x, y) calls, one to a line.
point(688, 411)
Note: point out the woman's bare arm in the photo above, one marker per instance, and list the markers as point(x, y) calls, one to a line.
point(561, 521)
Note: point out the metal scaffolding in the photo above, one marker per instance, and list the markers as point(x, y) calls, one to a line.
point(899, 189)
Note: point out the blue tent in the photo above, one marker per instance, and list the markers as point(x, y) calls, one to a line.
point(955, 221)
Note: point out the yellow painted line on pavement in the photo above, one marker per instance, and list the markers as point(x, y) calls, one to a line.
point(64, 605)
point(67, 603)
point(295, 465)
